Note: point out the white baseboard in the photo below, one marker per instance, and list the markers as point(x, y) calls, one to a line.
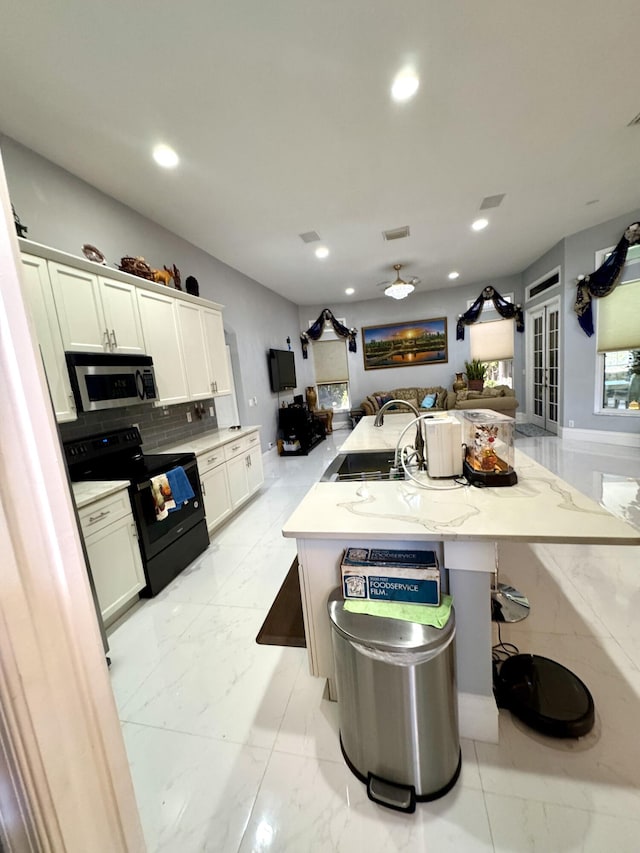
point(626, 439)
point(478, 717)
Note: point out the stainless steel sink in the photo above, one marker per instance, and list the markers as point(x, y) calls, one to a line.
point(362, 466)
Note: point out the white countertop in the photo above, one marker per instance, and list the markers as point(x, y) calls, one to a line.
point(207, 441)
point(540, 508)
point(89, 491)
point(365, 437)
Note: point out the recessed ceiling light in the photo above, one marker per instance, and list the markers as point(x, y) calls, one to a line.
point(405, 85)
point(453, 275)
point(350, 291)
point(479, 224)
point(322, 252)
point(165, 156)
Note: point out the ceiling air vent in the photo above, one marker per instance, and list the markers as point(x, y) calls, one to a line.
point(634, 121)
point(492, 201)
point(310, 237)
point(396, 233)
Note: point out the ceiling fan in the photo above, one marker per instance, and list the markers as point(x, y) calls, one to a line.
point(399, 289)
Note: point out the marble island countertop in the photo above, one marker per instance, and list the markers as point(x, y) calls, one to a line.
point(540, 508)
point(367, 437)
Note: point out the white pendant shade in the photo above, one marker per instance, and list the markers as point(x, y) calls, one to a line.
point(492, 341)
point(619, 319)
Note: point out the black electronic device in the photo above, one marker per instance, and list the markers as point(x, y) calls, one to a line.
point(282, 370)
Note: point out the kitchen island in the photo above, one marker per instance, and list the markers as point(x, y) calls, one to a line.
point(464, 525)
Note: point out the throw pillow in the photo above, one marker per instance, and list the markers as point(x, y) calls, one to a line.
point(374, 403)
point(492, 392)
point(461, 396)
point(428, 401)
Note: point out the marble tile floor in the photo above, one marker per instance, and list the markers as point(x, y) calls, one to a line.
point(233, 746)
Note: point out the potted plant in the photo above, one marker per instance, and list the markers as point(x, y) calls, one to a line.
point(475, 374)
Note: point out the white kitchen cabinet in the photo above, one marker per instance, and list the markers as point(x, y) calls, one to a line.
point(114, 556)
point(255, 471)
point(122, 316)
point(215, 490)
point(96, 314)
point(162, 340)
point(217, 362)
point(244, 468)
point(195, 351)
point(39, 297)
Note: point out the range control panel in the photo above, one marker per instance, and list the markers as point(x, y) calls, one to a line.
point(102, 444)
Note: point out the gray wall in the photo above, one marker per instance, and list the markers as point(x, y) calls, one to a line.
point(576, 256)
point(447, 303)
point(64, 212)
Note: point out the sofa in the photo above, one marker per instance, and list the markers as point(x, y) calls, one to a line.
point(500, 398)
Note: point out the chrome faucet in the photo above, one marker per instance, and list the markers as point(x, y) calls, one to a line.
point(419, 442)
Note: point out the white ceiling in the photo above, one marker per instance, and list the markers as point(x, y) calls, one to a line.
point(280, 111)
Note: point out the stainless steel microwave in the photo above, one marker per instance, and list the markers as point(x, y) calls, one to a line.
point(104, 381)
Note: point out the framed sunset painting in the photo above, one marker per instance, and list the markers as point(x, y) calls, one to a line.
point(419, 342)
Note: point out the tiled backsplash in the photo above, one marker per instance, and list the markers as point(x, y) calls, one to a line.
point(157, 425)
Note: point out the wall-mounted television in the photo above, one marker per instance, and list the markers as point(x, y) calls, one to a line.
point(282, 370)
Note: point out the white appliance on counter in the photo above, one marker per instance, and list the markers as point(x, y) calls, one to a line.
point(443, 446)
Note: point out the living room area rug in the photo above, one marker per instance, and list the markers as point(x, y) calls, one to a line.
point(284, 625)
point(531, 430)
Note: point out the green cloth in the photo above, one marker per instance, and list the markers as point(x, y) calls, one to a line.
point(423, 614)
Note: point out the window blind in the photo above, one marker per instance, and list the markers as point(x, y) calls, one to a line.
point(330, 360)
point(492, 341)
point(619, 319)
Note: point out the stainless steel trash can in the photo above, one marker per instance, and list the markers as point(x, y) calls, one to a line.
point(397, 705)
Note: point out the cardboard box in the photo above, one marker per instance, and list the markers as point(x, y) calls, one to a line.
point(374, 574)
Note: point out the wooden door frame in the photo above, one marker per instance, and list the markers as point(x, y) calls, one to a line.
point(65, 782)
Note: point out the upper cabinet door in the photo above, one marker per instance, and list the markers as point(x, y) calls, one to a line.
point(194, 349)
point(122, 316)
point(159, 317)
point(39, 297)
point(216, 351)
point(77, 298)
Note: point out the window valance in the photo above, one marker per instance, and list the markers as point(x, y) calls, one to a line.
point(314, 332)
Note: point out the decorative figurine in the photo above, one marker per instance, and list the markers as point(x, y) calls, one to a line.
point(192, 286)
point(165, 275)
point(21, 229)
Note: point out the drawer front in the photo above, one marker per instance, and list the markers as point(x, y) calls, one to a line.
point(234, 448)
point(99, 514)
point(211, 459)
point(241, 445)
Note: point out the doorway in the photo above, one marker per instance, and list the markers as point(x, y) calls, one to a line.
point(543, 365)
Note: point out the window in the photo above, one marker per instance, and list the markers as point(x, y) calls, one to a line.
point(332, 374)
point(492, 344)
point(618, 345)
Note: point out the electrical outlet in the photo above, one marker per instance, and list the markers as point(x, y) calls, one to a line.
point(211, 411)
point(571, 423)
point(188, 417)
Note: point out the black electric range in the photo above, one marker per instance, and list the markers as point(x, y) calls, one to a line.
point(167, 546)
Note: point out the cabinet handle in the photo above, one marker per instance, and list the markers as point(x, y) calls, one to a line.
point(204, 491)
point(212, 388)
point(212, 459)
point(72, 402)
point(235, 447)
point(253, 440)
point(215, 386)
point(134, 531)
point(107, 344)
point(113, 339)
point(103, 514)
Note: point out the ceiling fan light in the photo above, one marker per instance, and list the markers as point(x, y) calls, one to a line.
point(399, 290)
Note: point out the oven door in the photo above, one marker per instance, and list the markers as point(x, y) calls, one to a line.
point(157, 535)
